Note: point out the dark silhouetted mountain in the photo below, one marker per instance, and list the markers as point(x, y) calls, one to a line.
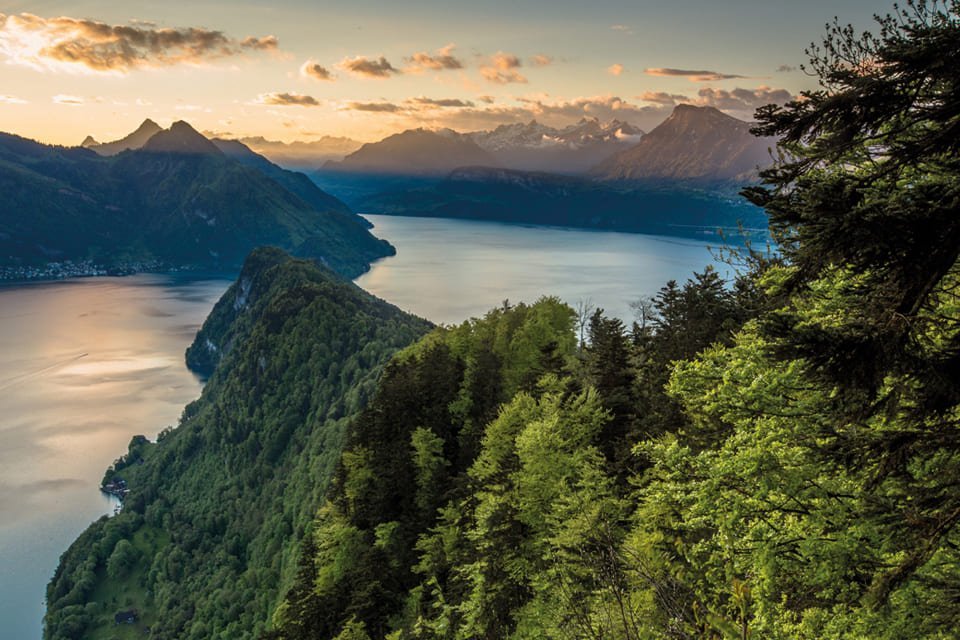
point(177, 201)
point(292, 180)
point(573, 149)
point(694, 143)
point(416, 152)
point(135, 140)
point(505, 195)
point(181, 138)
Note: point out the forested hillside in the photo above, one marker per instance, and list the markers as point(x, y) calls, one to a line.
point(208, 537)
point(177, 202)
point(773, 457)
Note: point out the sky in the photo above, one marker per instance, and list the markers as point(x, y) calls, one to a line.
point(303, 69)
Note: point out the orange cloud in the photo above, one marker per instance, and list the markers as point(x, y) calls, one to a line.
point(541, 60)
point(693, 75)
point(70, 101)
point(71, 44)
point(662, 97)
point(441, 103)
point(375, 107)
point(615, 69)
point(287, 100)
point(501, 68)
point(368, 67)
point(742, 99)
point(442, 59)
point(315, 70)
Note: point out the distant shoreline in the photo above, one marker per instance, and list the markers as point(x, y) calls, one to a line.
point(197, 274)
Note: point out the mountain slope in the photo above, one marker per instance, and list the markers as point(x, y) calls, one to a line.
point(179, 200)
point(212, 524)
point(572, 149)
point(135, 140)
point(694, 143)
point(414, 152)
point(504, 195)
point(300, 154)
point(295, 182)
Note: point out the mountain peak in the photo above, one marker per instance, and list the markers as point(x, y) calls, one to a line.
point(694, 143)
point(181, 138)
point(692, 111)
point(149, 125)
point(135, 140)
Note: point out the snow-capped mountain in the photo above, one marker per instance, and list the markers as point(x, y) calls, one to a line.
point(572, 149)
point(694, 143)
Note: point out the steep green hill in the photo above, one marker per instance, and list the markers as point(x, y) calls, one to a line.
point(210, 531)
point(178, 201)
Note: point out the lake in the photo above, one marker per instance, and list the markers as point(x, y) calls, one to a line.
point(86, 364)
point(450, 270)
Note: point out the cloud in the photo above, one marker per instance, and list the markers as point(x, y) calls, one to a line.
point(443, 103)
point(264, 43)
point(554, 113)
point(411, 106)
point(487, 99)
point(311, 69)
point(786, 68)
point(615, 69)
point(622, 28)
point(287, 100)
point(442, 59)
point(601, 107)
point(501, 68)
point(375, 107)
point(692, 75)
point(742, 99)
point(12, 100)
point(541, 60)
point(71, 44)
point(72, 101)
point(368, 67)
point(662, 97)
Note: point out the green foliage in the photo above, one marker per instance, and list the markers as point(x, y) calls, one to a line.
point(775, 457)
point(238, 482)
point(196, 210)
point(122, 560)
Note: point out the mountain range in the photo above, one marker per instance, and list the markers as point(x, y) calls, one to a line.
point(507, 195)
point(694, 144)
point(174, 198)
point(573, 149)
point(134, 140)
point(416, 152)
point(679, 179)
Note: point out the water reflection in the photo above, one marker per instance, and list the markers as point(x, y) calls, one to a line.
point(450, 270)
point(84, 366)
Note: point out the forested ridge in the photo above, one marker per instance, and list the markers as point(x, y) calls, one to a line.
point(772, 457)
point(208, 536)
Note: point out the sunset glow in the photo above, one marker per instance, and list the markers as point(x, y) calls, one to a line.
point(297, 71)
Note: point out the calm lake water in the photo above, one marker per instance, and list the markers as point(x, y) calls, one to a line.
point(84, 365)
point(451, 270)
point(87, 364)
